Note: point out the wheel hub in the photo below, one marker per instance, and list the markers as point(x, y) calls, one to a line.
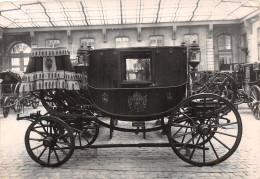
point(48, 142)
point(204, 129)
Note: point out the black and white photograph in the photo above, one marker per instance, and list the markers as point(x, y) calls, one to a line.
point(129, 89)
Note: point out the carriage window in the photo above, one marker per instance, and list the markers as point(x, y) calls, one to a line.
point(138, 69)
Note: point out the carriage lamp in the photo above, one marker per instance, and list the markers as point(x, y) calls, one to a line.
point(194, 55)
point(83, 55)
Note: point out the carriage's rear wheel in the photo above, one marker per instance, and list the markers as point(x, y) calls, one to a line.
point(204, 129)
point(85, 133)
point(221, 84)
point(254, 101)
point(49, 141)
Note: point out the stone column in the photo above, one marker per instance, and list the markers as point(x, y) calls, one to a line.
point(210, 51)
point(1, 49)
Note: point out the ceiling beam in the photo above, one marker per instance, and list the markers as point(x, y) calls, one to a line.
point(83, 11)
point(193, 13)
point(158, 11)
point(19, 8)
point(121, 12)
point(119, 26)
point(252, 14)
point(176, 11)
point(46, 14)
point(235, 10)
point(67, 18)
point(10, 20)
point(103, 16)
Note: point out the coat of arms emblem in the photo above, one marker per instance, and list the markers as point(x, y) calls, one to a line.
point(137, 102)
point(105, 98)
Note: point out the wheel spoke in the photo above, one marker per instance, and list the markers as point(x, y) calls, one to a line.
point(42, 152)
point(204, 156)
point(225, 134)
point(40, 133)
point(184, 134)
point(221, 125)
point(57, 157)
point(188, 142)
point(86, 139)
point(37, 147)
point(49, 155)
point(39, 140)
point(191, 155)
point(181, 125)
point(213, 149)
point(43, 127)
point(220, 142)
point(61, 150)
point(179, 129)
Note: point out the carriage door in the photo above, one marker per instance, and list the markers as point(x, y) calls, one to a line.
point(19, 56)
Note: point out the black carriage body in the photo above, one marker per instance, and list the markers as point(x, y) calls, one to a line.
point(157, 83)
point(250, 76)
point(8, 83)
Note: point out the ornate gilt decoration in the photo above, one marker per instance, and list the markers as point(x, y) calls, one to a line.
point(105, 98)
point(48, 63)
point(137, 102)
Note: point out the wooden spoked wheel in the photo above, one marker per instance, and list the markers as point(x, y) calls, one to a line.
point(221, 84)
point(6, 106)
point(254, 101)
point(49, 141)
point(35, 102)
point(204, 129)
point(85, 133)
point(18, 106)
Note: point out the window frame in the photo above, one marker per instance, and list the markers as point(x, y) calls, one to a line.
point(121, 46)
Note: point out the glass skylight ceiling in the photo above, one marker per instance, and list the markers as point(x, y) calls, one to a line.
point(43, 13)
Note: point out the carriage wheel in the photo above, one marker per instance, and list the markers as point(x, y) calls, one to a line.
point(49, 141)
point(85, 133)
point(7, 108)
point(223, 85)
point(35, 103)
point(204, 129)
point(27, 102)
point(18, 106)
point(254, 101)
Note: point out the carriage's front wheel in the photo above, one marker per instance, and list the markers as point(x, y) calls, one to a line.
point(254, 101)
point(35, 103)
point(204, 129)
point(49, 141)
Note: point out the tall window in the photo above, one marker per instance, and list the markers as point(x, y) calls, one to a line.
point(20, 57)
point(156, 40)
point(224, 42)
point(122, 42)
point(189, 38)
point(52, 43)
point(88, 42)
point(225, 52)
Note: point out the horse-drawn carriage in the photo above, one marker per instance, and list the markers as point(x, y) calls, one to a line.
point(10, 96)
point(247, 77)
point(128, 84)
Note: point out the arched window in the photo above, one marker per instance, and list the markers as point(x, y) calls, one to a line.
point(19, 54)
